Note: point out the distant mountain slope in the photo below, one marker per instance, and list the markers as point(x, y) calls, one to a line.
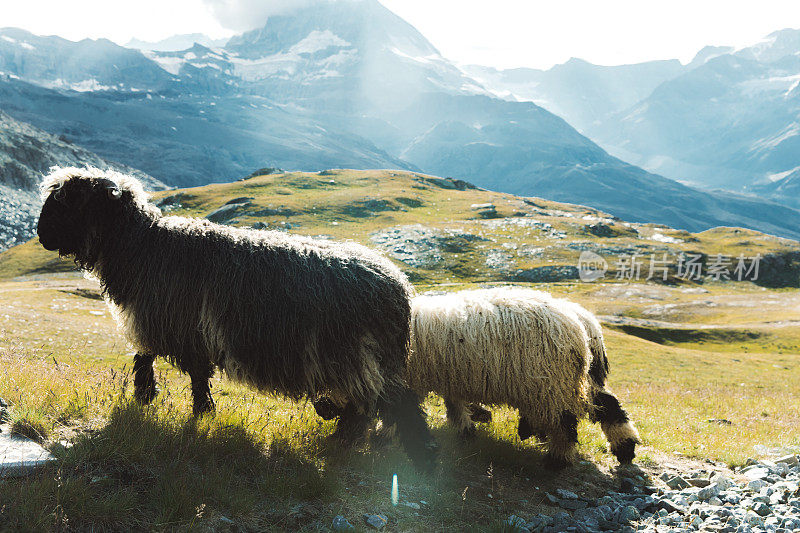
point(587, 176)
point(730, 122)
point(85, 65)
point(578, 91)
point(343, 84)
point(786, 188)
point(192, 139)
point(26, 155)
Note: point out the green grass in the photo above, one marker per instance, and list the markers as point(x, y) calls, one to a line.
point(355, 204)
point(684, 355)
point(270, 464)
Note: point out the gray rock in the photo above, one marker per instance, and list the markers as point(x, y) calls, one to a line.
point(518, 523)
point(708, 492)
point(572, 504)
point(547, 274)
point(696, 522)
point(537, 523)
point(723, 482)
point(753, 519)
point(566, 494)
point(376, 521)
point(757, 472)
point(599, 229)
point(671, 507)
point(224, 214)
point(678, 483)
point(20, 456)
point(762, 509)
point(789, 460)
point(629, 513)
point(340, 523)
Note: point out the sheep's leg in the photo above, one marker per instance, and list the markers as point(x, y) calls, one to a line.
point(201, 391)
point(144, 379)
point(562, 441)
point(459, 415)
point(526, 430)
point(353, 423)
point(400, 406)
point(479, 413)
point(616, 425)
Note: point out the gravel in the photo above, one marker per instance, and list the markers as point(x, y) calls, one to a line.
point(764, 497)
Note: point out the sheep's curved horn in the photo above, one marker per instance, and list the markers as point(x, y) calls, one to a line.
point(111, 187)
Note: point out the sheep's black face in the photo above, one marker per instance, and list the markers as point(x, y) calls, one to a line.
point(73, 212)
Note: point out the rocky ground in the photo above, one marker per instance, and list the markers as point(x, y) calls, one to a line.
point(19, 211)
point(762, 496)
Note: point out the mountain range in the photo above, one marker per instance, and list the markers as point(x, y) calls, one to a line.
point(726, 120)
point(349, 85)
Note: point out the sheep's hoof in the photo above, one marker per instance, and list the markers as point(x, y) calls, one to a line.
point(480, 414)
point(326, 409)
point(624, 451)
point(203, 407)
point(145, 395)
point(467, 433)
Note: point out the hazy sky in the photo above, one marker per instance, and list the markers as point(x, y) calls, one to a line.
point(501, 33)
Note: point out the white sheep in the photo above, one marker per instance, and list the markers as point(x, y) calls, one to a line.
point(522, 348)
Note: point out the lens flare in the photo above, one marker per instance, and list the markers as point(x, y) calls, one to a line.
point(395, 491)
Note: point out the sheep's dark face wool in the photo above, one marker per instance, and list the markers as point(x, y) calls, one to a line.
point(73, 212)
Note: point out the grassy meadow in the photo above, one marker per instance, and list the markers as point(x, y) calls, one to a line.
point(708, 371)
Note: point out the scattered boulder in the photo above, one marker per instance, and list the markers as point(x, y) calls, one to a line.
point(20, 456)
point(172, 202)
point(376, 521)
point(368, 207)
point(224, 214)
point(340, 523)
point(422, 247)
point(546, 274)
point(486, 211)
point(242, 200)
point(446, 183)
point(598, 229)
point(280, 211)
point(263, 172)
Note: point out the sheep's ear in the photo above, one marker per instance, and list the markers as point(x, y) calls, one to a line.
point(112, 189)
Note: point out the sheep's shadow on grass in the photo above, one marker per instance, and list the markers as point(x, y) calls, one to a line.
point(525, 466)
point(149, 468)
point(159, 468)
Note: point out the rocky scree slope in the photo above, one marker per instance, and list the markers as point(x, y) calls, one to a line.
point(26, 155)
